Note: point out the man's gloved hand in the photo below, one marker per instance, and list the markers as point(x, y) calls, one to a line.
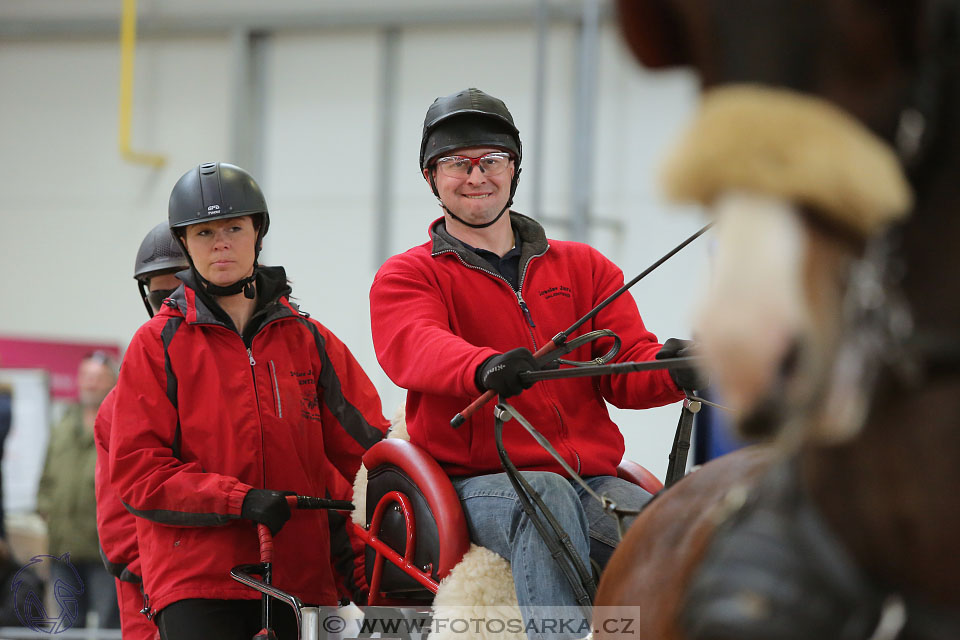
point(266, 507)
point(500, 373)
point(687, 377)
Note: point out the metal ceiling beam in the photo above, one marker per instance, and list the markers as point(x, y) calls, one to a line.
point(194, 24)
point(386, 125)
point(248, 106)
point(584, 116)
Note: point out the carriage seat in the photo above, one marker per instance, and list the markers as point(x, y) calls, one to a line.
point(411, 505)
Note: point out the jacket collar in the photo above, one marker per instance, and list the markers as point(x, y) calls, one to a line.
point(533, 241)
point(197, 307)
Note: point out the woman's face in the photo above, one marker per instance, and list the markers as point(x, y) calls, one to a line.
point(223, 251)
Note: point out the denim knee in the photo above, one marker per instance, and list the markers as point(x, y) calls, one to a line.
point(559, 496)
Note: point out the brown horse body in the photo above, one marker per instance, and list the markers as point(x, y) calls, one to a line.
point(666, 541)
point(888, 492)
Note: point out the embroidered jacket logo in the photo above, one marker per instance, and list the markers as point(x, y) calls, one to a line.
point(553, 292)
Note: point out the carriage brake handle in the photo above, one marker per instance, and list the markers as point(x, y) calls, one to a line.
point(245, 573)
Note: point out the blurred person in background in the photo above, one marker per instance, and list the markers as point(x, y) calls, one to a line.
point(158, 259)
point(229, 398)
point(66, 497)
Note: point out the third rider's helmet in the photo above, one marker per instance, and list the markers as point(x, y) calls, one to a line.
point(159, 253)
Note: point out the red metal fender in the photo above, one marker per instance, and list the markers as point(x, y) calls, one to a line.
point(637, 474)
point(438, 490)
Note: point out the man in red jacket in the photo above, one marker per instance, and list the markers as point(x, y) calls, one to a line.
point(462, 313)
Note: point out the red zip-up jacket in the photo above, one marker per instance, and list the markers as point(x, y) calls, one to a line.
point(116, 527)
point(439, 310)
point(203, 415)
point(117, 531)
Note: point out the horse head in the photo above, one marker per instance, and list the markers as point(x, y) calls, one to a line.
point(814, 113)
point(822, 124)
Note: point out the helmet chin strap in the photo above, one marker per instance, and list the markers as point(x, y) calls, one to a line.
point(469, 224)
point(246, 285)
point(433, 184)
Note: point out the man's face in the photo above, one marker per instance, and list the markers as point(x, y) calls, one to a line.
point(478, 197)
point(95, 378)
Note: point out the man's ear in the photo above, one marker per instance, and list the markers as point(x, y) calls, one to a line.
point(653, 30)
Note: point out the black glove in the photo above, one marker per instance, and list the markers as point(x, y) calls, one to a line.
point(266, 507)
point(500, 373)
point(686, 377)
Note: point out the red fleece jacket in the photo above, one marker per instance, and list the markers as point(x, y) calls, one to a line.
point(438, 311)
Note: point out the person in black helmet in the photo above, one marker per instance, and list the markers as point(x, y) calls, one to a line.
point(229, 399)
point(158, 259)
point(462, 313)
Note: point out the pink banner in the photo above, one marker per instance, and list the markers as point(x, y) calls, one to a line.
point(59, 359)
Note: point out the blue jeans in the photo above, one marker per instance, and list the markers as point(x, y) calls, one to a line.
point(497, 521)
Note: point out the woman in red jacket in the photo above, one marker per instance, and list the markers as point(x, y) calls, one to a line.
point(229, 397)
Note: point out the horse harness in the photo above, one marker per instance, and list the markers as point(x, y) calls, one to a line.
point(775, 568)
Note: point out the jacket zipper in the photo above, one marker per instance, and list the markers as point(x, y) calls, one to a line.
point(523, 306)
point(563, 427)
point(520, 301)
point(563, 435)
point(276, 389)
point(253, 376)
point(256, 394)
point(529, 318)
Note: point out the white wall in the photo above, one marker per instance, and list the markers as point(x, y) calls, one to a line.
point(73, 212)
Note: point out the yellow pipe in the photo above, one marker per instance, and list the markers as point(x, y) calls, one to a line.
point(128, 43)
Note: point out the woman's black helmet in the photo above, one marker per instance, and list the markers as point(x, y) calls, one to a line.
point(216, 190)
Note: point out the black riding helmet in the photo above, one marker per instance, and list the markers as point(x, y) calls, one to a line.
point(469, 118)
point(217, 191)
point(159, 253)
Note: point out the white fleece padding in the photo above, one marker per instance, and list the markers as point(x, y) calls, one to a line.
point(754, 305)
point(398, 429)
point(480, 587)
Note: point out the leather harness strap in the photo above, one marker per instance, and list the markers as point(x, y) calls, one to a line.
point(775, 570)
